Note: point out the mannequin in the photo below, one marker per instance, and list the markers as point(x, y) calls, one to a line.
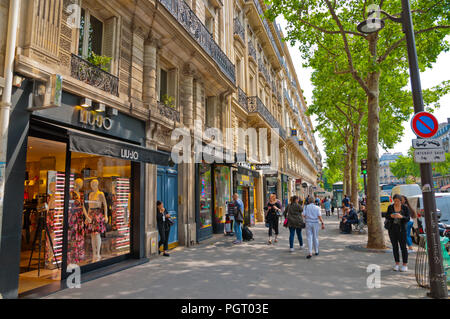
point(98, 214)
point(76, 252)
point(50, 223)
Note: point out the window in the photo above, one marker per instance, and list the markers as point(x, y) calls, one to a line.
point(238, 72)
point(162, 84)
point(91, 34)
point(209, 22)
point(167, 83)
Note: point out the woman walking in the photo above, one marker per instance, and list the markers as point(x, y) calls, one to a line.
point(409, 225)
point(295, 222)
point(312, 217)
point(397, 217)
point(272, 213)
point(163, 223)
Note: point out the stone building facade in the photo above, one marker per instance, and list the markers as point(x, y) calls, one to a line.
point(172, 64)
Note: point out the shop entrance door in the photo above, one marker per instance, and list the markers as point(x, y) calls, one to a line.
point(167, 192)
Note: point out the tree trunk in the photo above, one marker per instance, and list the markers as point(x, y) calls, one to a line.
point(374, 223)
point(355, 166)
point(347, 167)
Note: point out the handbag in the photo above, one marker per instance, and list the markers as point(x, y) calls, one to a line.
point(285, 222)
point(239, 216)
point(387, 224)
point(170, 221)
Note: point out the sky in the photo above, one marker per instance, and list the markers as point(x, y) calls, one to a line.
point(431, 77)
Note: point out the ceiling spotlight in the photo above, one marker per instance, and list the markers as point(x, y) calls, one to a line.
point(100, 107)
point(85, 102)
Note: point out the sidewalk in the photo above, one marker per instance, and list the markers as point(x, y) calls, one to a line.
point(254, 269)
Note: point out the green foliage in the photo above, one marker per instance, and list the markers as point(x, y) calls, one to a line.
point(100, 61)
point(168, 100)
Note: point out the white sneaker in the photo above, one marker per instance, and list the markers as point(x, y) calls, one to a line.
point(291, 249)
point(396, 268)
point(404, 269)
point(301, 247)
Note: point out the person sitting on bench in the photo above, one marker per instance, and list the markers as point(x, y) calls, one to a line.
point(350, 217)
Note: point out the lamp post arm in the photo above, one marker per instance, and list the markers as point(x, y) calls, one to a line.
point(391, 17)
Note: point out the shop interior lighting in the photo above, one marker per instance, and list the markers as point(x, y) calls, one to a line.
point(85, 102)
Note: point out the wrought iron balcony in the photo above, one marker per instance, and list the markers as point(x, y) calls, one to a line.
point(252, 50)
point(242, 99)
point(262, 68)
point(239, 29)
point(181, 11)
point(90, 74)
point(255, 105)
point(291, 104)
point(168, 112)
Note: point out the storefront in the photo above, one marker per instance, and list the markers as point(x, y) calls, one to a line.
point(204, 202)
point(284, 190)
point(244, 186)
point(222, 194)
point(74, 192)
point(270, 184)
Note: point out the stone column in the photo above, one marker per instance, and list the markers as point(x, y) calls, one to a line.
point(187, 95)
point(149, 95)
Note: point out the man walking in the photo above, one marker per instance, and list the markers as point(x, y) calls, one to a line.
point(312, 217)
point(327, 206)
point(238, 218)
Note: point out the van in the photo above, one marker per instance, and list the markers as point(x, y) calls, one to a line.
point(406, 190)
point(443, 211)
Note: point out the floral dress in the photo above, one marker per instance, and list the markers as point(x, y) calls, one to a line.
point(76, 250)
point(98, 222)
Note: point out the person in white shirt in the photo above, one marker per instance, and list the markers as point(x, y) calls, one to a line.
point(312, 216)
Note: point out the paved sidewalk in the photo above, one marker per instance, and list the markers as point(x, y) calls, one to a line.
point(256, 270)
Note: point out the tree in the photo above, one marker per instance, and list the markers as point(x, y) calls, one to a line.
point(374, 61)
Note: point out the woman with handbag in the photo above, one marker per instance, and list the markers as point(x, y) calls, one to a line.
point(397, 217)
point(163, 222)
point(273, 211)
point(294, 221)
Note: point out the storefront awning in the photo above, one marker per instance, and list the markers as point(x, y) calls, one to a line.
point(92, 144)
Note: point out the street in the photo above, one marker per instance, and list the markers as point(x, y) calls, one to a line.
point(219, 270)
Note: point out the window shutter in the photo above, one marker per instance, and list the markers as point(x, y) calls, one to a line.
point(109, 41)
point(172, 85)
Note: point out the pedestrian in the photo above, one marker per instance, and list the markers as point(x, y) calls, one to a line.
point(312, 216)
point(327, 206)
point(346, 201)
point(350, 218)
point(295, 223)
point(163, 223)
point(238, 218)
point(273, 211)
point(409, 225)
point(397, 217)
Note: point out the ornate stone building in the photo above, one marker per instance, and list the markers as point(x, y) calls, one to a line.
point(132, 72)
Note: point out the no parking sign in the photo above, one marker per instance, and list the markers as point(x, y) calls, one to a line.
point(424, 124)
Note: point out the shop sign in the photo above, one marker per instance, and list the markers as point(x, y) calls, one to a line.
point(95, 119)
point(129, 154)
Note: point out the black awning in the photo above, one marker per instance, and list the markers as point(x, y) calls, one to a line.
point(92, 144)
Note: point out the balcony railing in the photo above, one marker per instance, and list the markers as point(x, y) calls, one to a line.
point(191, 23)
point(262, 68)
point(90, 74)
point(168, 112)
point(252, 50)
point(242, 99)
point(255, 105)
point(239, 29)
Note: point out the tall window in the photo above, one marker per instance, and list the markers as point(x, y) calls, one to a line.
point(163, 84)
point(238, 72)
point(91, 34)
point(167, 83)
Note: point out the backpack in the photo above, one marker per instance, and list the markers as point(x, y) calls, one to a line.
point(247, 234)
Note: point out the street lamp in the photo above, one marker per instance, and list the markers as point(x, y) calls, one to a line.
point(438, 278)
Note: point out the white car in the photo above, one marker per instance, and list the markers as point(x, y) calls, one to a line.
point(443, 210)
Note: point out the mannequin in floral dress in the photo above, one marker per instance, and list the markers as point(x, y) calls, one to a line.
point(98, 214)
point(49, 258)
point(76, 252)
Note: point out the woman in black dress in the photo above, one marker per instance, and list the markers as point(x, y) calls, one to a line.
point(273, 210)
point(162, 221)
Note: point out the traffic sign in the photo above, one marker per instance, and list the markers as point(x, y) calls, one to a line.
point(429, 156)
point(427, 144)
point(424, 124)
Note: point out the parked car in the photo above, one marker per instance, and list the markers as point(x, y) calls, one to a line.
point(406, 190)
point(443, 211)
point(385, 201)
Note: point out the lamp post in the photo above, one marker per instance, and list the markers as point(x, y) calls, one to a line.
point(438, 282)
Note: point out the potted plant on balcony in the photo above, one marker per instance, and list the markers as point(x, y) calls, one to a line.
point(101, 61)
point(168, 101)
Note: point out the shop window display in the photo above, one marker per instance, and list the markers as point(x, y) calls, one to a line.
point(205, 196)
point(222, 192)
point(100, 199)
